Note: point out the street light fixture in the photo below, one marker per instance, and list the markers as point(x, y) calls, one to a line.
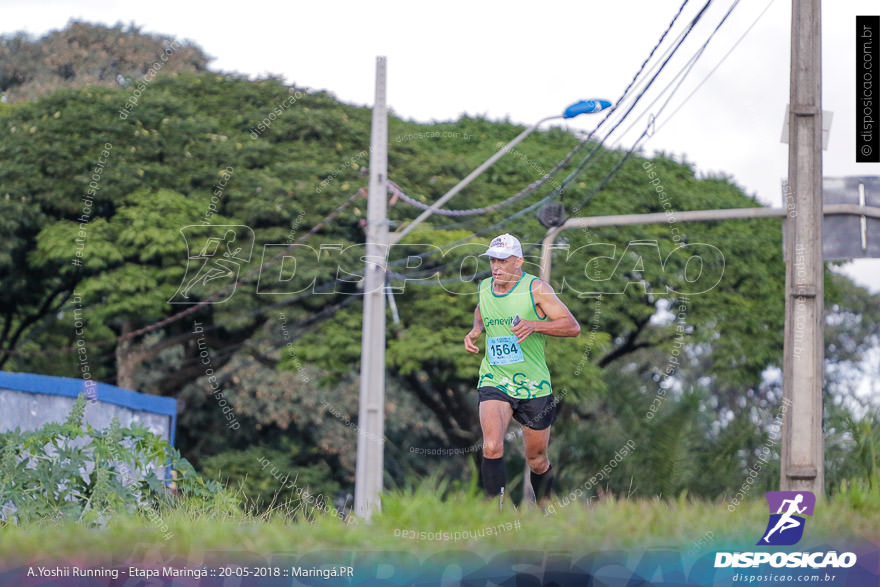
point(585, 107)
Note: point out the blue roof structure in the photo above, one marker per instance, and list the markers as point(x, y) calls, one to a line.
point(65, 386)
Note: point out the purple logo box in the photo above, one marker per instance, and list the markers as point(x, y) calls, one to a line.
point(775, 499)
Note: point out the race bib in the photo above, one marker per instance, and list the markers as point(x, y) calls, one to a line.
point(503, 350)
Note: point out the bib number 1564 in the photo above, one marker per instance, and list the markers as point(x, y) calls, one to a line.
point(504, 350)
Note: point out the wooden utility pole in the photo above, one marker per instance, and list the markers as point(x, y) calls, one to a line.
point(371, 407)
point(802, 443)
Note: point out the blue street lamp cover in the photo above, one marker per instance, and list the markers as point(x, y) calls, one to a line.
point(585, 107)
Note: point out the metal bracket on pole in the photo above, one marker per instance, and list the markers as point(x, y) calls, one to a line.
point(804, 110)
point(803, 291)
point(801, 473)
point(863, 220)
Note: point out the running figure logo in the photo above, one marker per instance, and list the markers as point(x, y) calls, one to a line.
point(786, 526)
point(215, 254)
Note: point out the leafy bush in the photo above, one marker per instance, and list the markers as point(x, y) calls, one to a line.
point(72, 471)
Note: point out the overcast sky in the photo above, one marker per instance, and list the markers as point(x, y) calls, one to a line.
point(526, 61)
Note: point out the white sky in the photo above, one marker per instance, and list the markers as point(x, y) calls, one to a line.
point(525, 61)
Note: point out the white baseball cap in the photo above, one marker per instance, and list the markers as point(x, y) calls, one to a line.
point(504, 246)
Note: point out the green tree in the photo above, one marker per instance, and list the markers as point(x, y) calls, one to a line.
point(84, 54)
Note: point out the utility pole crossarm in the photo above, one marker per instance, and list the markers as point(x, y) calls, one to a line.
point(685, 216)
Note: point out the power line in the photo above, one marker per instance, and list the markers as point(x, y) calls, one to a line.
point(723, 59)
point(532, 187)
point(397, 191)
point(688, 67)
point(639, 96)
point(664, 61)
point(529, 189)
point(647, 130)
point(564, 161)
point(628, 154)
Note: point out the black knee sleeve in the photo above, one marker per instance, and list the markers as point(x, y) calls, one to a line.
point(543, 483)
point(494, 477)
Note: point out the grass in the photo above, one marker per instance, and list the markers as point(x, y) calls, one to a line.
point(415, 521)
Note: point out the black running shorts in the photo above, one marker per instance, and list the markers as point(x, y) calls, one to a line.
point(537, 413)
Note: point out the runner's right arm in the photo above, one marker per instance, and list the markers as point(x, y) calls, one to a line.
point(475, 332)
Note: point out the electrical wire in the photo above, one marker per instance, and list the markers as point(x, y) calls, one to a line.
point(717, 65)
point(529, 189)
point(688, 67)
point(532, 187)
point(681, 76)
point(665, 59)
point(564, 161)
point(648, 130)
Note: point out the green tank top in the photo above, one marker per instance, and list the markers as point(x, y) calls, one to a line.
point(519, 370)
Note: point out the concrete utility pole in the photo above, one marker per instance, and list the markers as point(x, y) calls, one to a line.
point(371, 407)
point(802, 443)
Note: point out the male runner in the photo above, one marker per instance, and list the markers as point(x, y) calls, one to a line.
point(517, 310)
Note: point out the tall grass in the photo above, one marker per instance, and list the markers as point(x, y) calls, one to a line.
point(64, 499)
point(418, 520)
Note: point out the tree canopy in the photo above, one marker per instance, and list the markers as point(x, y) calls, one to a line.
point(84, 54)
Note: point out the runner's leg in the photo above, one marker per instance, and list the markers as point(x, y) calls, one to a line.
point(494, 418)
point(536, 442)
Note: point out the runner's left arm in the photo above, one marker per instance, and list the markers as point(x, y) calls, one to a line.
point(560, 321)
